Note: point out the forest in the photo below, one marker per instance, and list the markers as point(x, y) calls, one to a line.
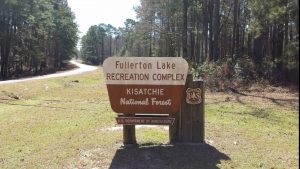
point(36, 36)
point(247, 39)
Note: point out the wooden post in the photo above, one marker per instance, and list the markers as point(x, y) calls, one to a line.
point(186, 113)
point(129, 134)
point(198, 115)
point(189, 122)
point(174, 129)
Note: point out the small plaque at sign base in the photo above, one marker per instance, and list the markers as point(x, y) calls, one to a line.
point(145, 120)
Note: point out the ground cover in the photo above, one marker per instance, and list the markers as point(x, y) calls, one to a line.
point(66, 123)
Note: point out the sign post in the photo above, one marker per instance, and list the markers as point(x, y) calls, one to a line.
point(189, 122)
point(144, 85)
point(129, 134)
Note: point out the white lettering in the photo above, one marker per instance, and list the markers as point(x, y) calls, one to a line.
point(156, 102)
point(124, 101)
point(145, 91)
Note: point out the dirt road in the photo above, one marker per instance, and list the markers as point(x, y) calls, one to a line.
point(82, 68)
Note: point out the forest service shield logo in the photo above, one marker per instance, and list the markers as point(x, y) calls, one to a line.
point(193, 96)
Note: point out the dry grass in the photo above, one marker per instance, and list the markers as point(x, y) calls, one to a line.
point(60, 123)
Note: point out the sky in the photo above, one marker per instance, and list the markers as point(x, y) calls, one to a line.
point(94, 12)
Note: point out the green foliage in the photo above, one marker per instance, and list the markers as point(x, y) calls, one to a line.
point(264, 14)
point(213, 74)
point(259, 37)
point(206, 71)
point(97, 43)
point(292, 51)
point(291, 62)
point(221, 75)
point(36, 35)
point(244, 69)
point(256, 35)
point(269, 65)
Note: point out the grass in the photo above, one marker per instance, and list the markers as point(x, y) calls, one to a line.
point(264, 133)
point(53, 120)
point(61, 123)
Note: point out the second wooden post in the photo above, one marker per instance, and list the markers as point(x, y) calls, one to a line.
point(189, 122)
point(129, 137)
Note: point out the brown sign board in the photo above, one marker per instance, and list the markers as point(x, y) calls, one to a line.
point(151, 85)
point(145, 120)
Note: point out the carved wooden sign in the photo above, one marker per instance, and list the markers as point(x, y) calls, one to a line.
point(151, 85)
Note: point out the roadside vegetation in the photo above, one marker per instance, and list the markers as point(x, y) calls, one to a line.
point(67, 123)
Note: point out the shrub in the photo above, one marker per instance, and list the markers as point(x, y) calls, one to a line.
point(244, 70)
point(216, 76)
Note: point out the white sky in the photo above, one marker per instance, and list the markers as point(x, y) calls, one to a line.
point(94, 12)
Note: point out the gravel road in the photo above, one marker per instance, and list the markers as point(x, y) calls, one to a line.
point(81, 69)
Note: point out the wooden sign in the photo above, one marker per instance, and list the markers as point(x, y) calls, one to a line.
point(145, 120)
point(151, 85)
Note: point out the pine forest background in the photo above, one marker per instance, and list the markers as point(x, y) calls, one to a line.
point(223, 40)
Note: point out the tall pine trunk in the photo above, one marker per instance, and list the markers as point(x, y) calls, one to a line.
point(235, 29)
point(184, 30)
point(216, 31)
point(211, 42)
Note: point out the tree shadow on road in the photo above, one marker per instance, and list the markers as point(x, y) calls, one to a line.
point(179, 156)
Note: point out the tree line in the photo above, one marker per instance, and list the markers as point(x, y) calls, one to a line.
point(101, 41)
point(35, 36)
point(260, 36)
